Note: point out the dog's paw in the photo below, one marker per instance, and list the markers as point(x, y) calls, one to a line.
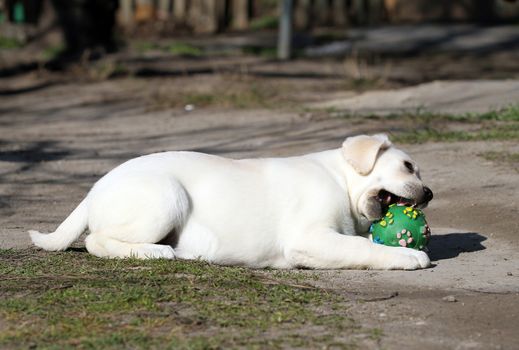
point(155, 251)
point(423, 259)
point(411, 259)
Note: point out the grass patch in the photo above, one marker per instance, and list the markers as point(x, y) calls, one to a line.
point(9, 43)
point(265, 22)
point(183, 49)
point(509, 113)
point(239, 96)
point(74, 300)
point(175, 48)
point(145, 46)
point(52, 52)
point(430, 134)
point(504, 156)
point(421, 127)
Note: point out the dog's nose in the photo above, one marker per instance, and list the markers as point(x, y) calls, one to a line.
point(428, 194)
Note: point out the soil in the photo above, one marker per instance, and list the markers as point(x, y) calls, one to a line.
point(58, 137)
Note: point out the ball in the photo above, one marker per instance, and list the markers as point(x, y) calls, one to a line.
point(401, 226)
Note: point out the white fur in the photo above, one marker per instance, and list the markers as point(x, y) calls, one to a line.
point(280, 212)
point(66, 233)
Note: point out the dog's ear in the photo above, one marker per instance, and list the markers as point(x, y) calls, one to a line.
point(361, 151)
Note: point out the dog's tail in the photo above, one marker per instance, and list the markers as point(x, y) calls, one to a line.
point(66, 233)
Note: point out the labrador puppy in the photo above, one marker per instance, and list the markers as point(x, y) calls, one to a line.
point(308, 211)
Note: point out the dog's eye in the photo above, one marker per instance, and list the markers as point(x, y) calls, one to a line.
point(409, 166)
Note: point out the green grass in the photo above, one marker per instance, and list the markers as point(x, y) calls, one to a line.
point(145, 46)
point(239, 97)
point(431, 134)
point(503, 156)
point(509, 113)
point(183, 49)
point(52, 52)
point(265, 22)
point(9, 43)
point(176, 48)
point(74, 300)
point(421, 127)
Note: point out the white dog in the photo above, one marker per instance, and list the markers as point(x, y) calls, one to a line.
point(300, 211)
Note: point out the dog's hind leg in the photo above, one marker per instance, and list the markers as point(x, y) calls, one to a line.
point(105, 247)
point(130, 214)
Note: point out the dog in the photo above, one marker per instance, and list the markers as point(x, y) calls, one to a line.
point(310, 211)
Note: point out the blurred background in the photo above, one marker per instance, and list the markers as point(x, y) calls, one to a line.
point(52, 34)
point(312, 59)
point(251, 77)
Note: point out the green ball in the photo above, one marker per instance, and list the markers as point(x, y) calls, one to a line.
point(401, 226)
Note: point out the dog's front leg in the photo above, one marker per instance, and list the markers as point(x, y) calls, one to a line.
point(328, 249)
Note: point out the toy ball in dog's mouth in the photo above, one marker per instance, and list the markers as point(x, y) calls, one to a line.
point(401, 226)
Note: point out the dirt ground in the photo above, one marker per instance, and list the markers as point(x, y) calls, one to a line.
point(58, 137)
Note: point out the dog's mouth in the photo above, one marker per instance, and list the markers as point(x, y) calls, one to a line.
point(386, 198)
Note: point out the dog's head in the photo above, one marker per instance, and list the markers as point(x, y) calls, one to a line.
point(381, 175)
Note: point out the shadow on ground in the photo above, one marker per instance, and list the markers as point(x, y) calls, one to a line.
point(451, 245)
